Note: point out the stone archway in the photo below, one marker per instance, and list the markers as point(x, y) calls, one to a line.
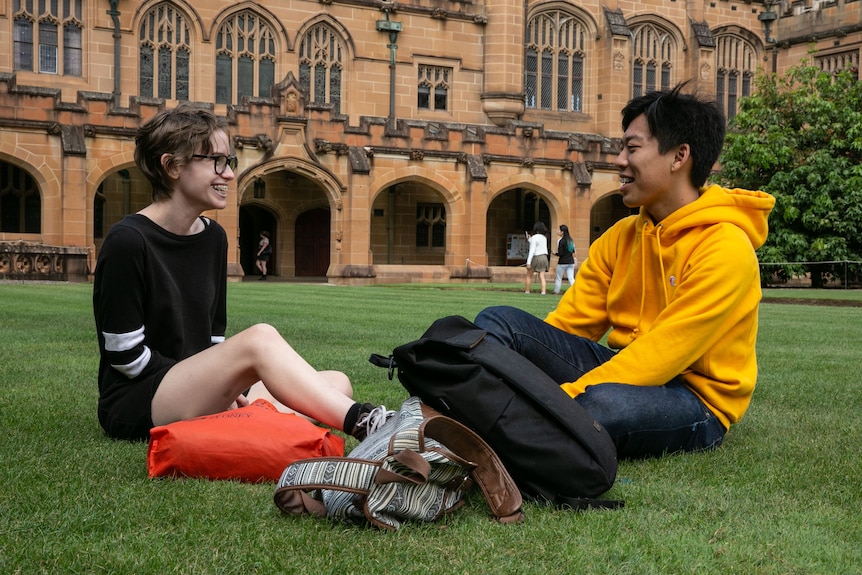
point(606, 212)
point(409, 225)
point(510, 214)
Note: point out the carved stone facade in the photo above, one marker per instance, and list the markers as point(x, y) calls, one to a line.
point(377, 141)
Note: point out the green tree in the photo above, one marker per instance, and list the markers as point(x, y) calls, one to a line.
point(799, 138)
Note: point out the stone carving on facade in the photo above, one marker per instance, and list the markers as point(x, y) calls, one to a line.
point(417, 155)
point(264, 142)
point(577, 143)
point(289, 92)
point(33, 261)
point(291, 103)
point(260, 141)
point(582, 174)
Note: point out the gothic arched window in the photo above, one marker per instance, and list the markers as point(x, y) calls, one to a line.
point(165, 54)
point(735, 64)
point(653, 54)
point(321, 66)
point(47, 36)
point(245, 58)
point(554, 62)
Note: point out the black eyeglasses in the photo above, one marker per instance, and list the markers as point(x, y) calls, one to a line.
point(221, 162)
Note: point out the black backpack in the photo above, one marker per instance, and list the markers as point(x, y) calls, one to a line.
point(555, 451)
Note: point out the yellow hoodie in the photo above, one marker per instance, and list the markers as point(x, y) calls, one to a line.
point(679, 297)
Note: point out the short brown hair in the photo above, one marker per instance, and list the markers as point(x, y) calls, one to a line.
point(181, 132)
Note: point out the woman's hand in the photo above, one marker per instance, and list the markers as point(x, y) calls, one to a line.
point(241, 401)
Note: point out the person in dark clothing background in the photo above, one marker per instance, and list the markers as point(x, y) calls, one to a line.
point(566, 261)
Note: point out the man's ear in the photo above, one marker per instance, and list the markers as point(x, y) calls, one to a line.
point(682, 155)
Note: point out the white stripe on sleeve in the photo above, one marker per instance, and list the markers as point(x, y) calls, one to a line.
point(135, 368)
point(123, 341)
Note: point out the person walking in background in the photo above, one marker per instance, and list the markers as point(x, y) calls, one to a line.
point(159, 301)
point(567, 260)
point(264, 252)
point(537, 258)
point(675, 289)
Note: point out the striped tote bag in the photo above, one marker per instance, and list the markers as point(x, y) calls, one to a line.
point(416, 467)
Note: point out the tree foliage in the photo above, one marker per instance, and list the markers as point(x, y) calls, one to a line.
point(799, 138)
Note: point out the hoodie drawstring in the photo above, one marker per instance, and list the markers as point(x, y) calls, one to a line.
point(658, 229)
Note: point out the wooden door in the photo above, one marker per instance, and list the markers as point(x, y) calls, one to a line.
point(312, 243)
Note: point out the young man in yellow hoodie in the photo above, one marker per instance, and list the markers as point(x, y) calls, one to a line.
point(676, 288)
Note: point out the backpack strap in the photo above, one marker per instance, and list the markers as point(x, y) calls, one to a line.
point(384, 361)
point(312, 475)
point(500, 491)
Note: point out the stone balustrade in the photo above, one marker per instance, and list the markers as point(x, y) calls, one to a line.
point(33, 261)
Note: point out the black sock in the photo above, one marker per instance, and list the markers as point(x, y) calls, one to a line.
point(351, 417)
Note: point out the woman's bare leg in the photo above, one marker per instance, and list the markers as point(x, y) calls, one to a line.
point(210, 381)
point(336, 379)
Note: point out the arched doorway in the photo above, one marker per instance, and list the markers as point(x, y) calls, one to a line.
point(253, 219)
point(606, 212)
point(408, 225)
point(311, 243)
point(511, 214)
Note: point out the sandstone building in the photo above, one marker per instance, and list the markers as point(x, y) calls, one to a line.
point(377, 141)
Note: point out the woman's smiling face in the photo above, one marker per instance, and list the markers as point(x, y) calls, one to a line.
point(198, 181)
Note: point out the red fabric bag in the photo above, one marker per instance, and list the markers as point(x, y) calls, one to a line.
point(253, 444)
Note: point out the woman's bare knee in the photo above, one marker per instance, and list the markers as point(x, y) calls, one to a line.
point(259, 341)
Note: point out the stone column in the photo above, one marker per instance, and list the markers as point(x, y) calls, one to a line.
point(503, 91)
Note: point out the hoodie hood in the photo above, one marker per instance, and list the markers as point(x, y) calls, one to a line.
point(746, 209)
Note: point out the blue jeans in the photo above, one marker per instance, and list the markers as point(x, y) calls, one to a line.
point(643, 421)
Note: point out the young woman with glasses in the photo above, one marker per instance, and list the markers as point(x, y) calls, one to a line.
point(160, 306)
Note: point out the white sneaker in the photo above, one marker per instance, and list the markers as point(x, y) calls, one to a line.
point(370, 420)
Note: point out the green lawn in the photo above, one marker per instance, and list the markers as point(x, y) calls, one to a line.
point(782, 496)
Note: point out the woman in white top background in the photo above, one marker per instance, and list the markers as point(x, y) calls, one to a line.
point(537, 258)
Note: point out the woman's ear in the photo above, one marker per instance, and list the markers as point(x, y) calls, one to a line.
point(169, 165)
